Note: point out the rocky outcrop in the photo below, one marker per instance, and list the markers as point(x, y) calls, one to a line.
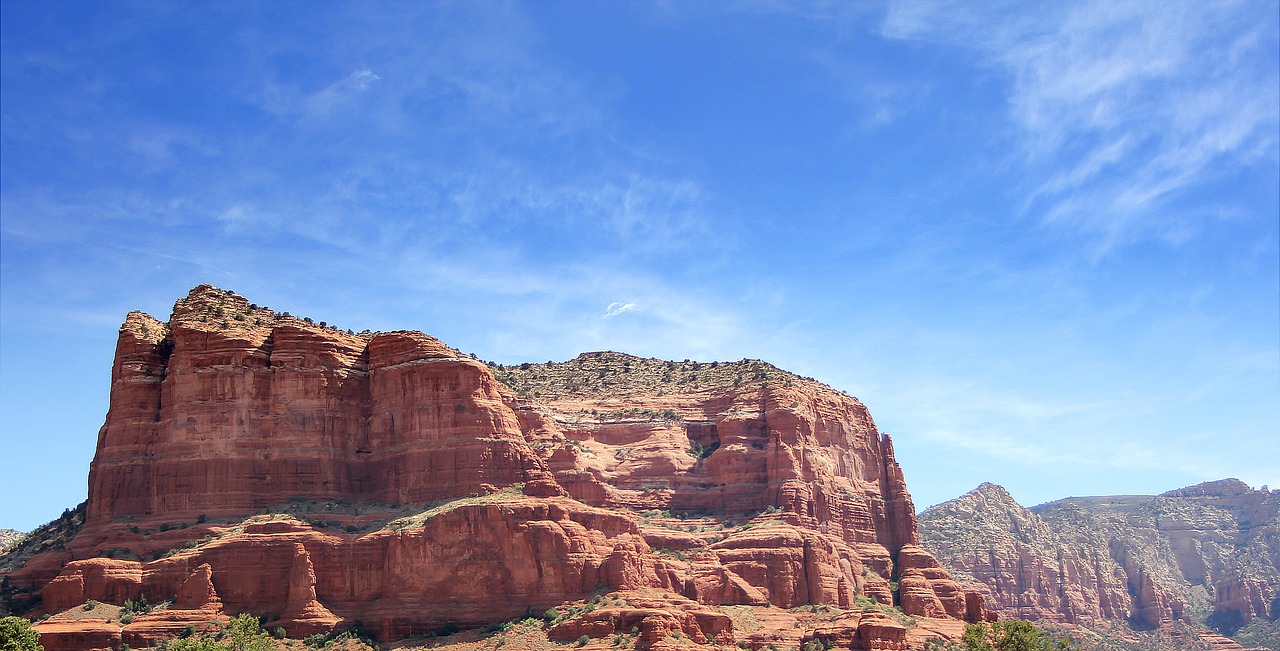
point(868, 630)
point(924, 588)
point(82, 634)
point(303, 613)
point(197, 592)
point(653, 619)
point(101, 579)
point(398, 482)
point(1203, 554)
point(196, 605)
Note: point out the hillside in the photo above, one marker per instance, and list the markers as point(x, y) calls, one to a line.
point(1202, 557)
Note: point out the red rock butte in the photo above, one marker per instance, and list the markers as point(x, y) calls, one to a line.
point(252, 461)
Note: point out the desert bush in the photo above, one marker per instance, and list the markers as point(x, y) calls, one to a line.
point(1011, 635)
point(16, 634)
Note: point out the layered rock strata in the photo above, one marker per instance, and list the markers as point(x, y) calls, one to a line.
point(403, 484)
point(1207, 554)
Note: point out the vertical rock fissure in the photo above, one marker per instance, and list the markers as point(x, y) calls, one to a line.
point(268, 345)
point(164, 350)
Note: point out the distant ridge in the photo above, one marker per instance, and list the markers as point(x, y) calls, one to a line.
point(1162, 566)
point(9, 538)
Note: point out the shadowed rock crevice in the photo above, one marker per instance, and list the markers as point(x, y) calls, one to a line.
point(703, 438)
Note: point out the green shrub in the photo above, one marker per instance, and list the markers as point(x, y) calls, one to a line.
point(582, 641)
point(1011, 635)
point(16, 634)
point(244, 632)
point(138, 605)
point(91, 604)
point(817, 644)
point(192, 644)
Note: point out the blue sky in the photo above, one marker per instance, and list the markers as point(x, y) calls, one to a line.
point(1039, 240)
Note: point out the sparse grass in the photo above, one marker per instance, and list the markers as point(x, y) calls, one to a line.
point(866, 603)
point(419, 519)
point(670, 553)
point(744, 618)
point(760, 523)
point(822, 612)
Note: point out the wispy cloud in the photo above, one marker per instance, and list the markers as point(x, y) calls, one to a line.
point(814, 9)
point(647, 211)
point(294, 103)
point(161, 146)
point(324, 101)
point(617, 308)
point(1122, 107)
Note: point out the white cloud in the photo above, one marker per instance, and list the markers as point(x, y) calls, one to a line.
point(1122, 106)
point(325, 101)
point(361, 79)
point(164, 145)
point(642, 211)
point(657, 212)
point(617, 308)
point(291, 102)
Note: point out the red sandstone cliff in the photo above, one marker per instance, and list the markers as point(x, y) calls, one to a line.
point(400, 483)
point(229, 408)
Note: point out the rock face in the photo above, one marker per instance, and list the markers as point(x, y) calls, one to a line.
point(229, 408)
point(1208, 554)
point(256, 462)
